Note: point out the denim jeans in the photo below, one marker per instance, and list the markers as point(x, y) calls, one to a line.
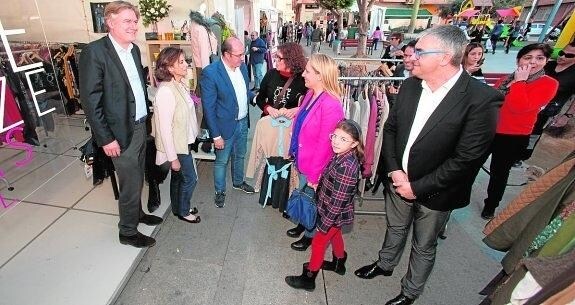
point(259, 71)
point(302, 183)
point(182, 185)
point(235, 148)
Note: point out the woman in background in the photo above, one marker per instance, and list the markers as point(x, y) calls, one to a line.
point(290, 63)
point(526, 90)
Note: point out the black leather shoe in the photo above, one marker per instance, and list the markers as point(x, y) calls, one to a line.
point(400, 300)
point(139, 240)
point(197, 220)
point(371, 271)
point(150, 220)
point(295, 232)
point(194, 211)
point(302, 244)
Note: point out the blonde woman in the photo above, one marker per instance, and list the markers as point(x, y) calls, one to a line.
point(176, 127)
point(320, 112)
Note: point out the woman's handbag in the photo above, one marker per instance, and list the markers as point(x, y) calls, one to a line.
point(301, 207)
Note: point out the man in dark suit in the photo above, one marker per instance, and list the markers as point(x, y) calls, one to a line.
point(225, 97)
point(437, 137)
point(112, 91)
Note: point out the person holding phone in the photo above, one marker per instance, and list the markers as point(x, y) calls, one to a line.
point(473, 59)
point(526, 91)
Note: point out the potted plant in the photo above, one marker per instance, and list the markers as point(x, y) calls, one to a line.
point(151, 12)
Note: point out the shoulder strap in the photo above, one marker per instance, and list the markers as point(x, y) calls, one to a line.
point(279, 97)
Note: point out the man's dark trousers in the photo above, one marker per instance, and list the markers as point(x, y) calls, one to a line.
point(130, 170)
point(427, 224)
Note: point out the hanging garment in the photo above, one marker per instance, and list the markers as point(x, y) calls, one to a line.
point(271, 138)
point(275, 187)
point(531, 192)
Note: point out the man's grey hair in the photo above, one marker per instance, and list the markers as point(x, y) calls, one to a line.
point(451, 39)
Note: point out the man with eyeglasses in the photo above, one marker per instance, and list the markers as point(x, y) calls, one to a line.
point(395, 49)
point(225, 97)
point(563, 70)
point(258, 49)
point(436, 138)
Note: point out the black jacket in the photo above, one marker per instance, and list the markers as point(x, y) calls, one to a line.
point(453, 144)
point(105, 92)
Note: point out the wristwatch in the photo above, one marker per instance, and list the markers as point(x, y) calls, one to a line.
point(569, 115)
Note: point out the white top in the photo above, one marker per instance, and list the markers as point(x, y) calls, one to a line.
point(428, 102)
point(240, 88)
point(133, 77)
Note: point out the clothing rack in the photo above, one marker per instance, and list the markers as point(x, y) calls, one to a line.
point(363, 180)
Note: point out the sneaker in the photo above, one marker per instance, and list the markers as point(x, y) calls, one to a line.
point(220, 199)
point(248, 189)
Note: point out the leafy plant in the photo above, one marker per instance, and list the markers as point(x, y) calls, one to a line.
point(153, 11)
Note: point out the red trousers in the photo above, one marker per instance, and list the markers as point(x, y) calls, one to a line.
point(319, 244)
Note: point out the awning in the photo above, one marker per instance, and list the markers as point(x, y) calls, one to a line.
point(405, 13)
point(468, 13)
point(507, 12)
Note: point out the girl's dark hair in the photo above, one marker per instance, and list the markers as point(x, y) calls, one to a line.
point(294, 56)
point(545, 48)
point(352, 128)
point(167, 58)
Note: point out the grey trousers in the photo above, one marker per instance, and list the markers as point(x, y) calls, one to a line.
point(129, 168)
point(426, 227)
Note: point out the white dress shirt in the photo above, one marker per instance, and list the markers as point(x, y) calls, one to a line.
point(428, 102)
point(133, 77)
point(239, 85)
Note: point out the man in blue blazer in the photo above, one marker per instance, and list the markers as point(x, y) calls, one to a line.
point(225, 96)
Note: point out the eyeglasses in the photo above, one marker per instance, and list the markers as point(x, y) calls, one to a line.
point(333, 136)
point(278, 57)
point(393, 38)
point(567, 55)
point(419, 52)
point(237, 55)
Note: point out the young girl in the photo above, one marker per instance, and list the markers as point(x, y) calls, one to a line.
point(335, 193)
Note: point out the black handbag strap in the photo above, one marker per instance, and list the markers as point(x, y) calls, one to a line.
point(279, 97)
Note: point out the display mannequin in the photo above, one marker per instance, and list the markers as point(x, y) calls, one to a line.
point(203, 41)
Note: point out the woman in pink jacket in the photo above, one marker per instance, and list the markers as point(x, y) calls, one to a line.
point(317, 117)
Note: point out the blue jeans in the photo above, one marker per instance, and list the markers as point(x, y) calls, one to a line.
point(302, 183)
point(182, 185)
point(259, 71)
point(234, 147)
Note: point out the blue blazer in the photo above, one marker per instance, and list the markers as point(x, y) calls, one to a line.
point(219, 100)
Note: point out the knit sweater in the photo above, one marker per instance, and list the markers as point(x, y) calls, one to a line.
point(522, 104)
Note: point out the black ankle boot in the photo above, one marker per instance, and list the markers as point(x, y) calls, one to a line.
point(295, 232)
point(302, 244)
point(337, 264)
point(305, 281)
point(154, 199)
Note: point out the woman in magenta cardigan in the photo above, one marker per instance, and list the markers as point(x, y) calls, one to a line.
point(526, 91)
point(317, 117)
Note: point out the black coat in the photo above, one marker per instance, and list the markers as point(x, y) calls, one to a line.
point(105, 92)
point(453, 144)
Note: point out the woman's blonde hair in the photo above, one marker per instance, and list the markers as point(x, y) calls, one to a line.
point(326, 67)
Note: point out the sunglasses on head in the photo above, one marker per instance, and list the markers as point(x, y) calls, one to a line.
point(567, 55)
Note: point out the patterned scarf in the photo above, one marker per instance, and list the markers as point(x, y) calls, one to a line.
point(504, 87)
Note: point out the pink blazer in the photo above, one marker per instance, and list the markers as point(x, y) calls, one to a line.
point(314, 151)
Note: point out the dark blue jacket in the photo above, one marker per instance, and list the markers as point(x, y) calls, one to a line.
point(219, 99)
point(257, 57)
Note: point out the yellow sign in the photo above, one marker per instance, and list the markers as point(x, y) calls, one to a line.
point(467, 4)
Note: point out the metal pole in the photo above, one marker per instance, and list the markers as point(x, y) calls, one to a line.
point(414, 13)
point(530, 12)
point(549, 20)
